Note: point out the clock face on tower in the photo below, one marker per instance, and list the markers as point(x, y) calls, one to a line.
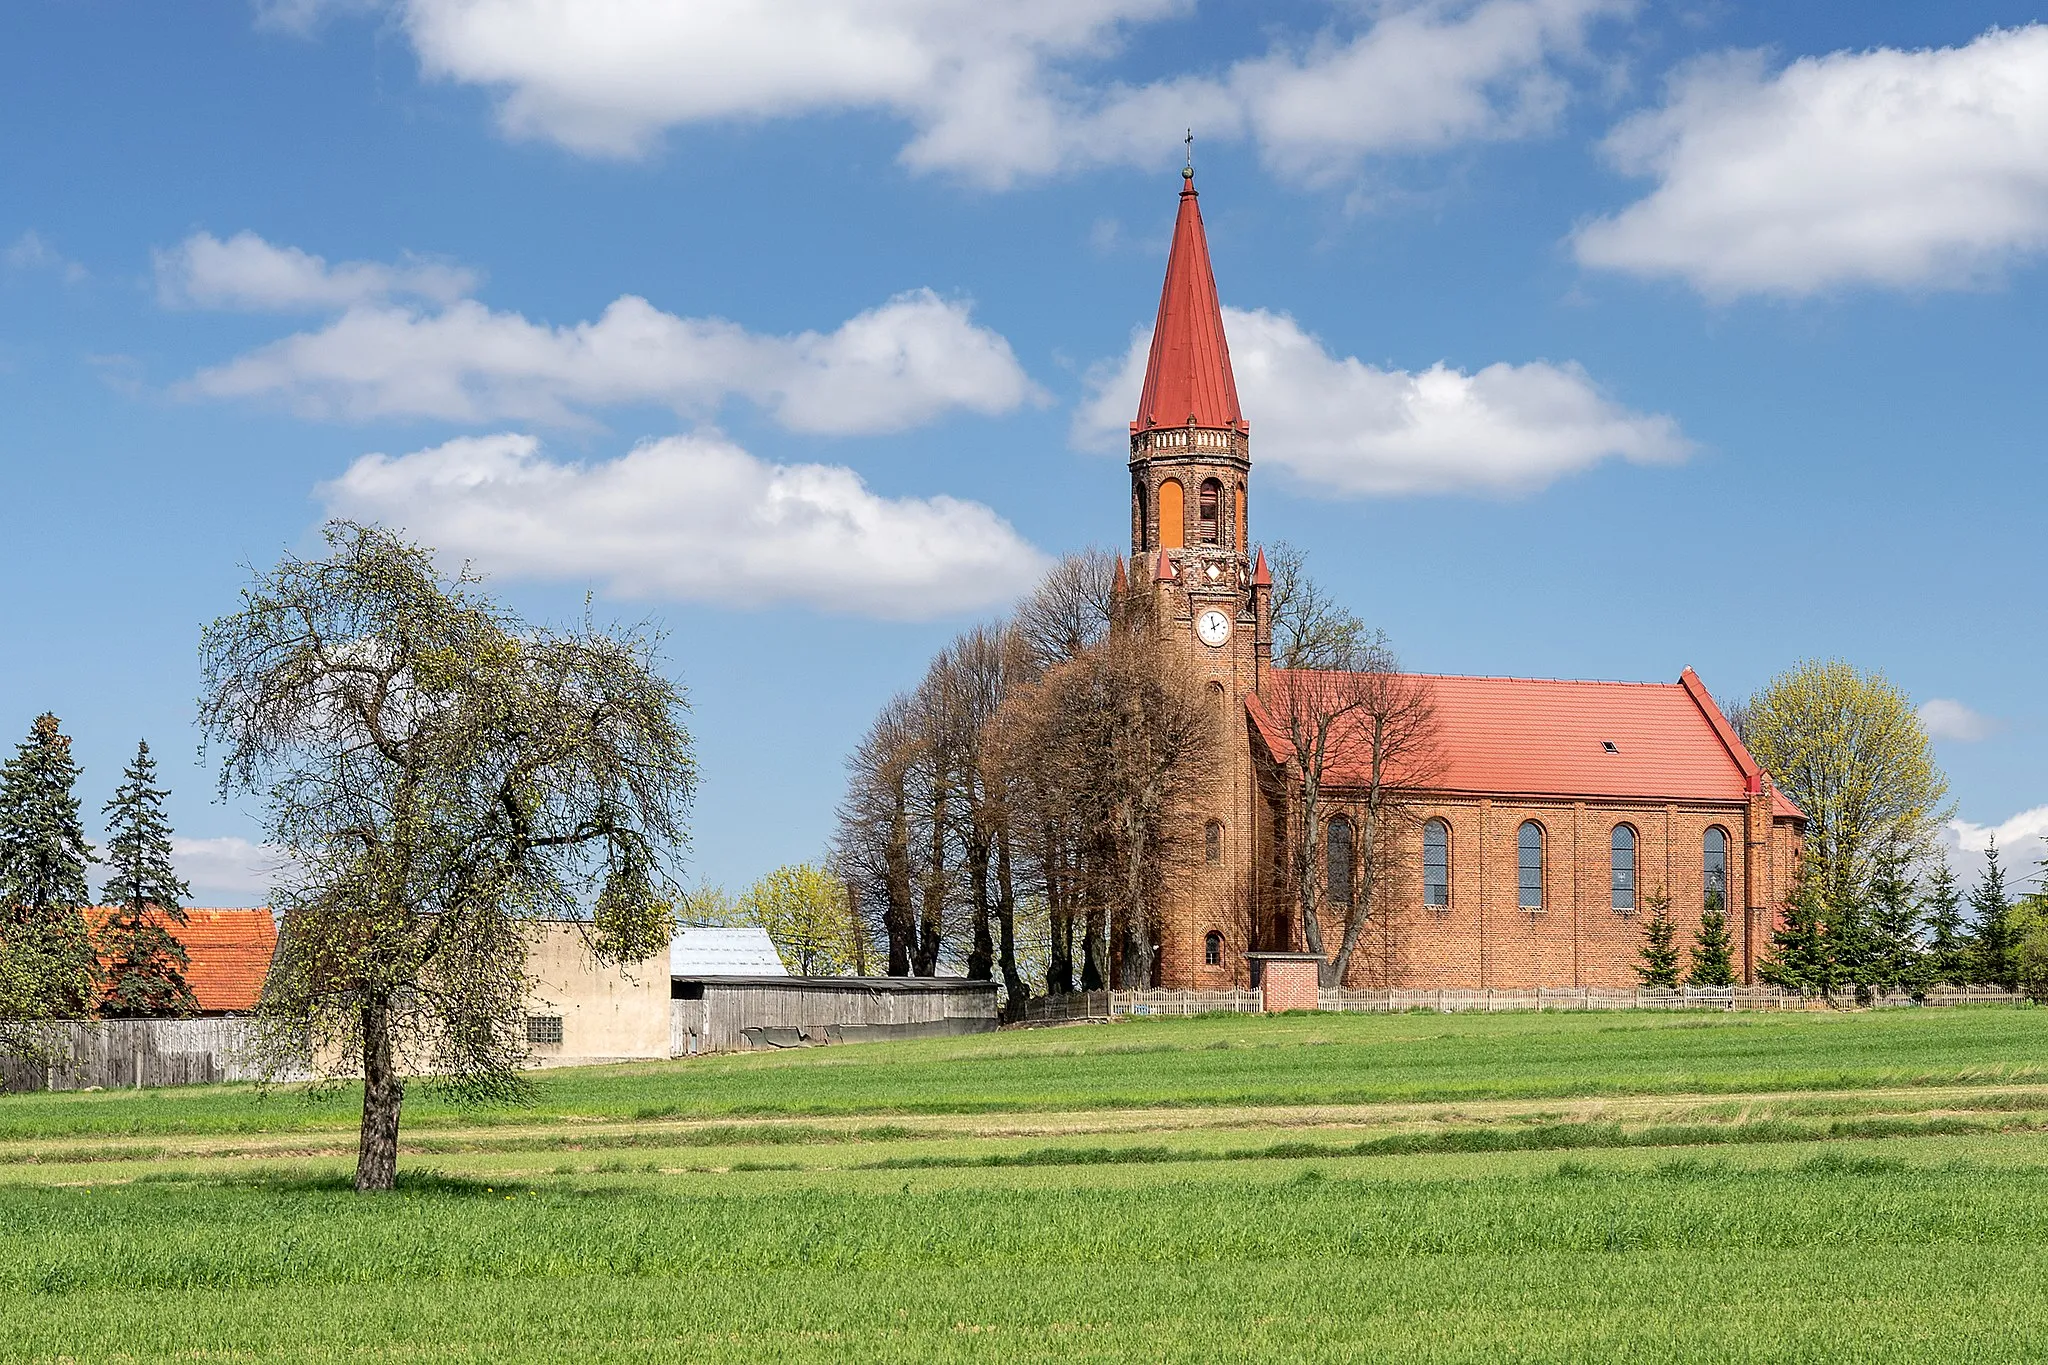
point(1212, 628)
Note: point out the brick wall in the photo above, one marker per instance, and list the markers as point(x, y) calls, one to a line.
point(1289, 986)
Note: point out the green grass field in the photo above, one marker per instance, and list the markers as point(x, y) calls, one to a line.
point(1420, 1187)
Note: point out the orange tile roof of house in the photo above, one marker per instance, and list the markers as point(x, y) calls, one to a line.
point(230, 952)
point(1539, 737)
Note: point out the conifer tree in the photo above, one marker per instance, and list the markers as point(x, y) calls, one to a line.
point(1713, 952)
point(1991, 949)
point(1948, 943)
point(1800, 957)
point(1660, 947)
point(43, 890)
point(145, 962)
point(1893, 958)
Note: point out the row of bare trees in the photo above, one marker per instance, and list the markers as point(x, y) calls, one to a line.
point(1023, 810)
point(1015, 812)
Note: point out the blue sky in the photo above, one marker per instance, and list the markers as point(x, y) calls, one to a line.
point(1579, 338)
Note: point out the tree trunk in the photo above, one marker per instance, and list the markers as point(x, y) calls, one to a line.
point(932, 911)
point(383, 1093)
point(1059, 910)
point(981, 955)
point(1093, 975)
point(898, 919)
point(1006, 929)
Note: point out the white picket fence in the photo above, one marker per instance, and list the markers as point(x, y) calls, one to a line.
point(1082, 1005)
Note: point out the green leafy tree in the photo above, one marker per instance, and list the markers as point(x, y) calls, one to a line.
point(1990, 942)
point(1893, 958)
point(1848, 746)
point(43, 889)
point(805, 909)
point(145, 899)
point(1948, 941)
point(2027, 934)
point(439, 775)
point(1800, 956)
point(1659, 966)
point(1713, 952)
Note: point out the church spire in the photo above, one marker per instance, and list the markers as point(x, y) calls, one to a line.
point(1188, 380)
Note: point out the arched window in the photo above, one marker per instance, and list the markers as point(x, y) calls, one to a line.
point(1714, 866)
point(1212, 842)
point(1237, 512)
point(1207, 505)
point(1138, 511)
point(1436, 864)
point(1337, 854)
point(1173, 525)
point(1529, 865)
point(1212, 949)
point(1622, 873)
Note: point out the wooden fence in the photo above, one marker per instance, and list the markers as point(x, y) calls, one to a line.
point(1084, 1005)
point(131, 1053)
point(714, 1014)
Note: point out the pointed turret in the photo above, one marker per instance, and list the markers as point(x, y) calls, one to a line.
point(1188, 380)
point(1118, 584)
point(1262, 577)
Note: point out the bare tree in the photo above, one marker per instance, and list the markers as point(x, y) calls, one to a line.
point(1310, 630)
point(1070, 610)
point(1112, 745)
point(438, 774)
point(1356, 733)
point(872, 847)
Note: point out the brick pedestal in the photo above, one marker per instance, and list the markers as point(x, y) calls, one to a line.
point(1288, 980)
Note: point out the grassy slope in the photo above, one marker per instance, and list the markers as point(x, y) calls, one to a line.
point(658, 1248)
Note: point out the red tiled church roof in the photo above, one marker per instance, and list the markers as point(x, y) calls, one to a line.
point(230, 952)
point(1187, 377)
point(1538, 737)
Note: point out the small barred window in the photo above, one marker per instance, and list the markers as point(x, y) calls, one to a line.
point(543, 1028)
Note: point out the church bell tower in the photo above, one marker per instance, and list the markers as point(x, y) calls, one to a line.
point(1209, 594)
point(1191, 474)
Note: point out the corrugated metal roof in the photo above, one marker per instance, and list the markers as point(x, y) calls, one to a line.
point(1187, 376)
point(744, 951)
point(1532, 736)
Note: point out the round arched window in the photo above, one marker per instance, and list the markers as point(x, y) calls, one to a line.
point(1529, 865)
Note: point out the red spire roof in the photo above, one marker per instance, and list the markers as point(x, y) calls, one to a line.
point(1188, 377)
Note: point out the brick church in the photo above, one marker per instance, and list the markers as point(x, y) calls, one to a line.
point(1552, 810)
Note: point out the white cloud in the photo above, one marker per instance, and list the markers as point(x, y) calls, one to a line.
point(694, 518)
point(994, 92)
point(1944, 718)
point(301, 17)
point(225, 871)
point(1357, 429)
point(2022, 844)
point(31, 251)
point(906, 362)
point(247, 272)
point(1885, 167)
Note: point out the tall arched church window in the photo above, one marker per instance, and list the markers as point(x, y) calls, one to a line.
point(1621, 877)
point(1436, 864)
point(1212, 949)
point(1173, 526)
point(1714, 867)
point(1138, 511)
point(1212, 842)
point(1529, 865)
point(1209, 509)
point(1237, 513)
point(1337, 854)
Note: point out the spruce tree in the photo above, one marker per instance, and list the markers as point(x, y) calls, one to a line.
point(1713, 952)
point(1800, 957)
point(1660, 948)
point(1893, 957)
point(43, 860)
point(1948, 943)
point(145, 962)
point(1991, 950)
